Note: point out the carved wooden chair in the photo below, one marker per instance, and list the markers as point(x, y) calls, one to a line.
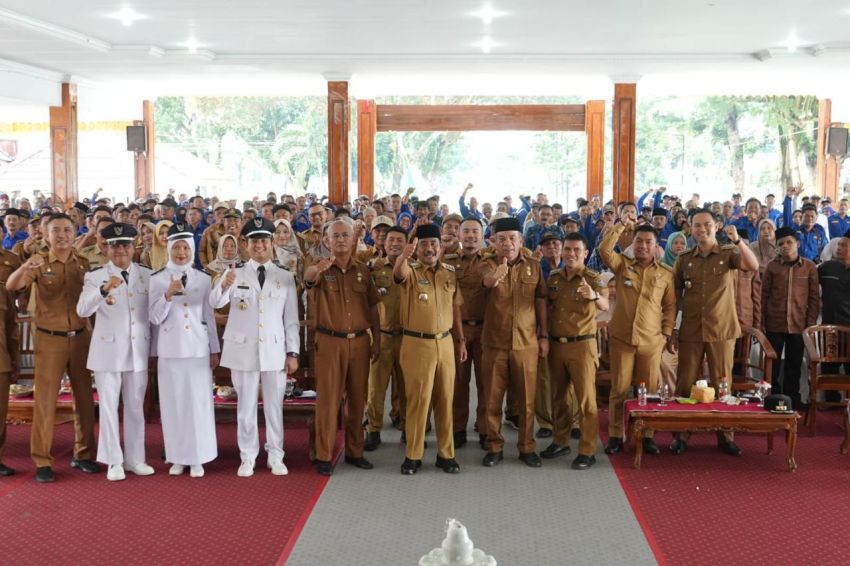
point(746, 374)
point(826, 344)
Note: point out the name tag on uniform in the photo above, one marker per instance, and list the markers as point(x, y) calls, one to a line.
point(330, 277)
point(424, 282)
point(242, 287)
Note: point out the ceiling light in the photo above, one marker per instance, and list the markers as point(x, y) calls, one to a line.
point(486, 44)
point(127, 16)
point(487, 14)
point(793, 43)
point(192, 45)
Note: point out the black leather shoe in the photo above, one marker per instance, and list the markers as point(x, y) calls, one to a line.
point(730, 448)
point(678, 446)
point(373, 440)
point(575, 434)
point(6, 470)
point(650, 447)
point(482, 441)
point(448, 465)
point(360, 462)
point(44, 474)
point(583, 462)
point(513, 421)
point(614, 446)
point(410, 467)
point(87, 466)
point(554, 450)
point(544, 433)
point(492, 459)
point(403, 437)
point(324, 468)
point(531, 459)
point(398, 424)
point(460, 439)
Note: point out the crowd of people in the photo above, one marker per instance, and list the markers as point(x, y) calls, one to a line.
point(401, 295)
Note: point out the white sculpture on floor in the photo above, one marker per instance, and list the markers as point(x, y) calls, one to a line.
point(456, 550)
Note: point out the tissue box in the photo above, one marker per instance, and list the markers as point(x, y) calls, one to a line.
point(702, 394)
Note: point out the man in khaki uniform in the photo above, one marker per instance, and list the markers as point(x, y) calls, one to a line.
point(429, 311)
point(386, 367)
point(96, 253)
point(230, 223)
point(576, 294)
point(309, 237)
point(35, 242)
point(513, 337)
point(10, 346)
point(704, 278)
point(643, 320)
point(472, 316)
point(61, 345)
point(345, 303)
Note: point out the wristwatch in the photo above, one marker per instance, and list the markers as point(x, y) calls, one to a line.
point(292, 355)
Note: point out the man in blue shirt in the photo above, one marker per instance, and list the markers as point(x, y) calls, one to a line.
point(812, 235)
point(839, 222)
point(749, 221)
point(545, 224)
point(472, 209)
point(772, 213)
point(663, 227)
point(14, 231)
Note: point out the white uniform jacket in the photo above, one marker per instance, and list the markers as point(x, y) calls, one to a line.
point(121, 337)
point(263, 324)
point(185, 326)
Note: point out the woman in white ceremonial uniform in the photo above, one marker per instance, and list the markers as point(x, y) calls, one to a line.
point(261, 343)
point(118, 294)
point(188, 349)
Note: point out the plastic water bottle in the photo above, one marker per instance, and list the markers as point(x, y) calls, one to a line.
point(642, 394)
point(722, 388)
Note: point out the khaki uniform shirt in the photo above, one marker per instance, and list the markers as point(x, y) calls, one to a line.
point(646, 297)
point(390, 294)
point(10, 336)
point(569, 314)
point(469, 279)
point(707, 287)
point(343, 299)
point(209, 243)
point(58, 287)
point(20, 251)
point(510, 319)
point(428, 297)
point(94, 256)
point(308, 238)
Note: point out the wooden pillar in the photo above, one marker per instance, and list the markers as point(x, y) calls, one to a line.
point(143, 165)
point(594, 128)
point(824, 118)
point(63, 146)
point(367, 129)
point(339, 117)
point(623, 157)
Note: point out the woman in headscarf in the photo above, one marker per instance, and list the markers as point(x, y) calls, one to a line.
point(287, 252)
point(676, 244)
point(765, 246)
point(226, 255)
point(405, 221)
point(144, 244)
point(188, 350)
point(159, 246)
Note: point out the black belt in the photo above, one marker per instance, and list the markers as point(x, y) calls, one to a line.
point(569, 339)
point(391, 332)
point(63, 334)
point(426, 336)
point(335, 334)
point(473, 322)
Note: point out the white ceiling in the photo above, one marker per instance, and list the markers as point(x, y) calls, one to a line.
point(425, 46)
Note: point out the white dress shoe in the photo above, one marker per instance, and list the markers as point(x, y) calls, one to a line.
point(246, 469)
point(196, 471)
point(140, 469)
point(277, 467)
point(115, 473)
point(176, 470)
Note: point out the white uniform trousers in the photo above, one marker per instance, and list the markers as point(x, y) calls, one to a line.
point(186, 407)
point(131, 386)
point(247, 384)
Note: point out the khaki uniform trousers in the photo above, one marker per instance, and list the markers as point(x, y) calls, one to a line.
point(386, 367)
point(429, 377)
point(342, 372)
point(543, 399)
point(510, 370)
point(54, 356)
point(5, 381)
point(575, 363)
point(720, 356)
point(627, 362)
point(463, 376)
point(669, 369)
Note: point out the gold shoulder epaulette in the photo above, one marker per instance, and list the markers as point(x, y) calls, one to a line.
point(555, 272)
point(450, 256)
point(590, 272)
point(665, 266)
point(448, 266)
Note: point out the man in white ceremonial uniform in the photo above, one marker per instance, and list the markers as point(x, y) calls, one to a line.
point(261, 342)
point(118, 294)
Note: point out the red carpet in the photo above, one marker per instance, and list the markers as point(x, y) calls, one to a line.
point(705, 507)
point(220, 518)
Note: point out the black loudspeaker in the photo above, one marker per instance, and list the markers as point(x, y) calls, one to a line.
point(137, 139)
point(836, 141)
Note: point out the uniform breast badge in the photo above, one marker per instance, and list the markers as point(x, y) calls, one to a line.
point(382, 291)
point(688, 284)
point(423, 297)
point(242, 305)
point(110, 300)
point(628, 283)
